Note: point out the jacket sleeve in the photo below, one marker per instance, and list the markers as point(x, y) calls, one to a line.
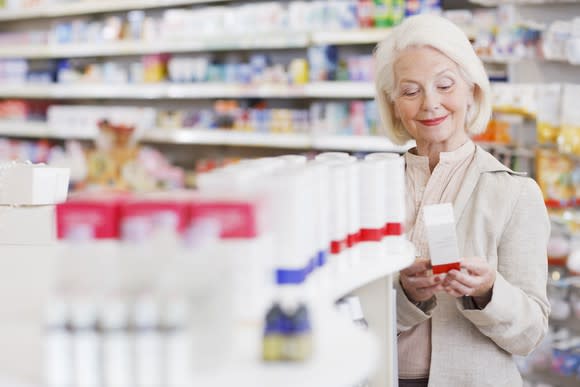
point(516, 318)
point(408, 313)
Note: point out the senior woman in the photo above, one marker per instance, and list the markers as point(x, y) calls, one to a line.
point(460, 329)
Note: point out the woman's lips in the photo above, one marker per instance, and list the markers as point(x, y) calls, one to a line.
point(433, 122)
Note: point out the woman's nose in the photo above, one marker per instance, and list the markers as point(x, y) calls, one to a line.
point(431, 101)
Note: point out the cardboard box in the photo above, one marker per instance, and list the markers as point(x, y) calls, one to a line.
point(32, 185)
point(33, 225)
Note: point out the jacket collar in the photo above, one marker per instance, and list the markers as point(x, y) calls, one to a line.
point(483, 162)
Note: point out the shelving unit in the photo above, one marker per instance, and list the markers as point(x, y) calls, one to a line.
point(89, 7)
point(348, 90)
point(344, 354)
point(222, 137)
point(225, 42)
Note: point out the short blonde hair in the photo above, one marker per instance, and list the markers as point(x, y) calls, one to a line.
point(444, 36)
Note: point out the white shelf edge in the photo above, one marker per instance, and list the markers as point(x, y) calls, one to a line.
point(349, 89)
point(215, 43)
point(354, 36)
point(192, 136)
point(192, 90)
point(371, 269)
point(92, 7)
point(271, 40)
point(361, 143)
point(495, 3)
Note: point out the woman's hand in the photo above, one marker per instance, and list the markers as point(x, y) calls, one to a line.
point(476, 280)
point(417, 281)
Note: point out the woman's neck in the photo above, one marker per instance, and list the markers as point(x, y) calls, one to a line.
point(433, 150)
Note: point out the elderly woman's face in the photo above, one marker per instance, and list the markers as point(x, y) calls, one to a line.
point(431, 97)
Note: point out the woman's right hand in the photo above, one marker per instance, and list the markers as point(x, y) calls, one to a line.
point(418, 282)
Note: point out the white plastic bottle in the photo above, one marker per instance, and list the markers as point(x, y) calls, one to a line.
point(177, 345)
point(86, 344)
point(58, 356)
point(118, 368)
point(148, 343)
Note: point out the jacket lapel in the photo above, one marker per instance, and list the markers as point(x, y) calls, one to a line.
point(483, 162)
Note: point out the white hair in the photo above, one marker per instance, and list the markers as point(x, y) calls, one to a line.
point(444, 36)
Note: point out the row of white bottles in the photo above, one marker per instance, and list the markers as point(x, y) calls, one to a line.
point(116, 344)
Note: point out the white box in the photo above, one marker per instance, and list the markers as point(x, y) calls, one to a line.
point(27, 184)
point(442, 237)
point(34, 225)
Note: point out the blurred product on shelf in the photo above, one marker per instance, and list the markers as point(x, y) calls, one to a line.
point(569, 137)
point(133, 169)
point(21, 110)
point(117, 162)
point(497, 131)
point(82, 121)
point(322, 64)
point(559, 178)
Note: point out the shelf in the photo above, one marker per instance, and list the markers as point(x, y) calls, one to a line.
point(357, 143)
point(25, 129)
point(186, 91)
point(228, 137)
point(222, 137)
point(538, 3)
point(371, 269)
point(343, 354)
point(359, 36)
point(272, 40)
point(226, 42)
point(92, 7)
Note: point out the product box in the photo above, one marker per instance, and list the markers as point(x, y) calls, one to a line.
point(442, 237)
point(28, 184)
point(30, 225)
point(101, 216)
point(161, 212)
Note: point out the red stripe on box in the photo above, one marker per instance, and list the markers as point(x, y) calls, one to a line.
point(371, 234)
point(438, 269)
point(336, 247)
point(352, 239)
point(393, 229)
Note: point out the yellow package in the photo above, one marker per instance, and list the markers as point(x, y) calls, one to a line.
point(569, 137)
point(554, 176)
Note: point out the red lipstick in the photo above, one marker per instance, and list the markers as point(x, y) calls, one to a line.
point(433, 121)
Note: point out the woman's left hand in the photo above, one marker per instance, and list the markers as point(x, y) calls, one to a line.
point(476, 280)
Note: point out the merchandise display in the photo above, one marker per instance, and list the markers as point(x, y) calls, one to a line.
point(172, 269)
point(122, 99)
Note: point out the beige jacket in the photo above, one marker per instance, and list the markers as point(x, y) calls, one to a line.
point(500, 216)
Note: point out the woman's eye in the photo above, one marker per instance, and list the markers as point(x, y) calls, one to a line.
point(445, 85)
point(409, 93)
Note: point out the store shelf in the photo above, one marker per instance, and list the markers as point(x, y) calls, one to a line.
point(272, 40)
point(221, 137)
point(92, 7)
point(343, 355)
point(343, 37)
point(228, 137)
point(187, 91)
point(25, 129)
point(226, 42)
point(371, 269)
point(340, 90)
point(357, 143)
point(539, 3)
